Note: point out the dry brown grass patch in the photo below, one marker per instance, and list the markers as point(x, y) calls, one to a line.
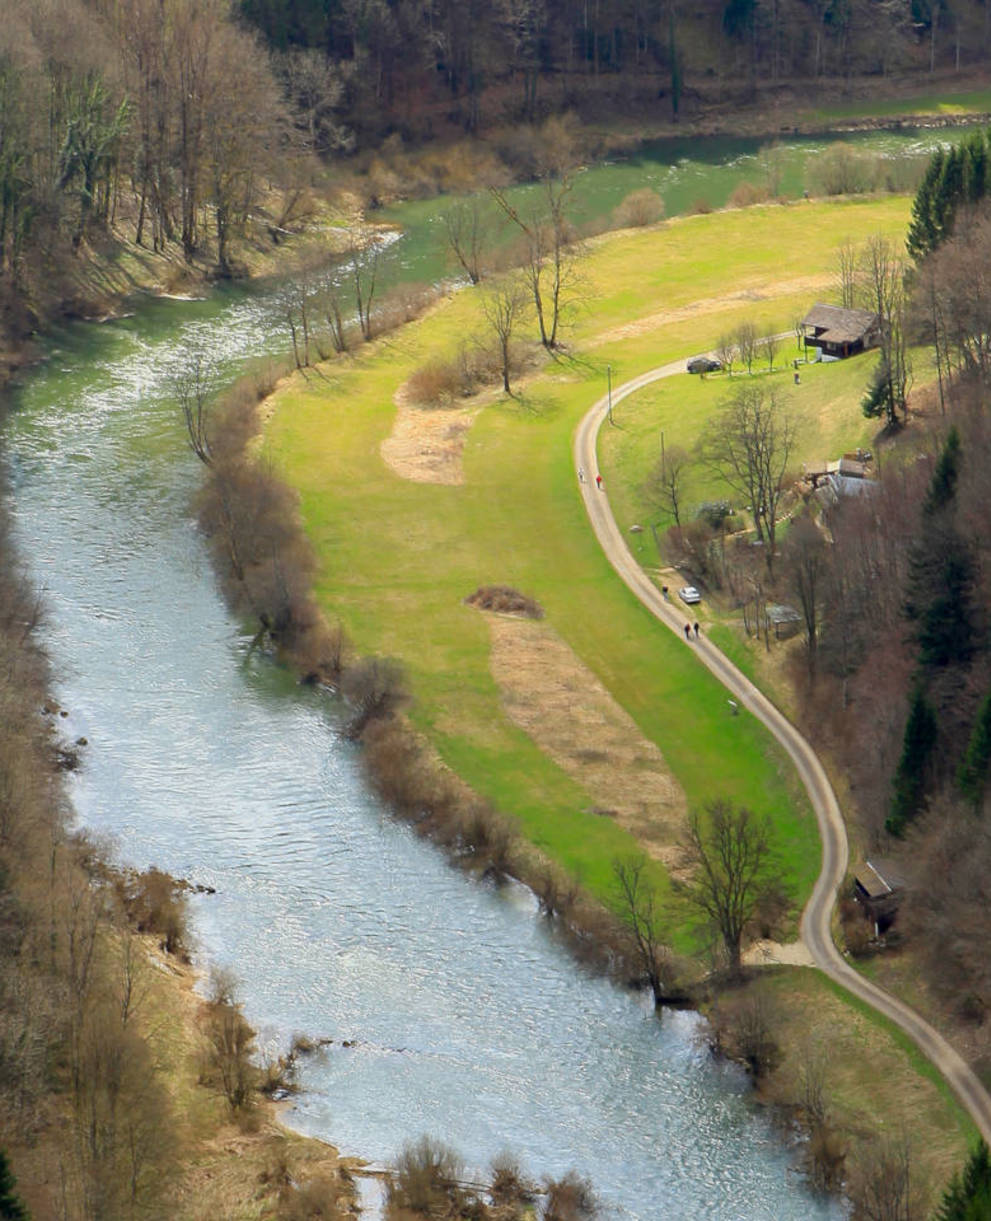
point(565, 709)
point(426, 446)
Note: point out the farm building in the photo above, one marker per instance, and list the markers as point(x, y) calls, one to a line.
point(838, 332)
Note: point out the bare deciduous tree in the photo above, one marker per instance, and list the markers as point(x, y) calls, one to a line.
point(769, 345)
point(730, 848)
point(503, 304)
point(192, 385)
point(849, 274)
point(637, 906)
point(726, 352)
point(230, 1043)
point(806, 559)
point(882, 1185)
point(550, 252)
point(747, 342)
point(884, 293)
point(664, 486)
point(466, 229)
point(748, 444)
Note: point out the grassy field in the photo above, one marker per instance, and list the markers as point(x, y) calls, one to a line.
point(873, 1076)
point(397, 557)
point(975, 101)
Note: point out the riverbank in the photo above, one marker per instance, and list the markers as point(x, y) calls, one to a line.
point(342, 479)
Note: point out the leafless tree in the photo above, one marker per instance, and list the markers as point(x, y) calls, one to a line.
point(192, 385)
point(466, 228)
point(550, 251)
point(849, 274)
point(664, 486)
point(730, 848)
point(230, 1043)
point(769, 345)
point(747, 343)
point(884, 293)
point(503, 304)
point(637, 906)
point(748, 444)
point(805, 557)
point(882, 1185)
point(726, 352)
point(363, 249)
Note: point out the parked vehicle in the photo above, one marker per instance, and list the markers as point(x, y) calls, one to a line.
point(703, 364)
point(689, 594)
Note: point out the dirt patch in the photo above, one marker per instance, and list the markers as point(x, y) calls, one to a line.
point(426, 443)
point(564, 708)
point(770, 953)
point(715, 305)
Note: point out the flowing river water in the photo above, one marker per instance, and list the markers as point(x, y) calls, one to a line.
point(466, 1020)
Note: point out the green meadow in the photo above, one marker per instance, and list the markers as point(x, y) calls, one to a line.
point(397, 558)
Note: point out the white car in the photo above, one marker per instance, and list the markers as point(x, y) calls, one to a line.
point(689, 594)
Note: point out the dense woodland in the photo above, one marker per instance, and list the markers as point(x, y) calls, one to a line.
point(417, 65)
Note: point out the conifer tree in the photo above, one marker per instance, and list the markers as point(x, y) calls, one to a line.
point(973, 771)
point(922, 239)
point(11, 1208)
point(917, 748)
point(968, 1197)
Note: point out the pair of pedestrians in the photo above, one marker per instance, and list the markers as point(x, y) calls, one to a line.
point(688, 631)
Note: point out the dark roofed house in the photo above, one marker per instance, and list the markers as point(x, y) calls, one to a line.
point(877, 887)
point(840, 332)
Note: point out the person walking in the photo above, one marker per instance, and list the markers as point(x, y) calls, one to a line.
point(696, 631)
point(688, 632)
point(598, 482)
point(581, 474)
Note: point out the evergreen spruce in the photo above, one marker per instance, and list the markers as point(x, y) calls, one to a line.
point(968, 1197)
point(910, 778)
point(11, 1208)
point(922, 239)
point(972, 774)
point(975, 168)
point(943, 485)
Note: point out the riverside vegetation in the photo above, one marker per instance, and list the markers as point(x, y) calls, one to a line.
point(129, 147)
point(501, 431)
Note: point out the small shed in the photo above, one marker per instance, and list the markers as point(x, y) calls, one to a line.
point(785, 620)
point(839, 332)
point(877, 886)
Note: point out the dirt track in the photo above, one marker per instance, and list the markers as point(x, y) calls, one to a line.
point(815, 924)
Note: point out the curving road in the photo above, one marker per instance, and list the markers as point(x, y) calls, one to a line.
point(815, 924)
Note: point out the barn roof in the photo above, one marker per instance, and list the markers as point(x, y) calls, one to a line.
point(840, 325)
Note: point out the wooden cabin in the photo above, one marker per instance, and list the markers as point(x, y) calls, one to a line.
point(838, 332)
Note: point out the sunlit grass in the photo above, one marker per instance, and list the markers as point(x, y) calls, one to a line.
point(397, 558)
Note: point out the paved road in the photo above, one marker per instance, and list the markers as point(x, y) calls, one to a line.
point(815, 924)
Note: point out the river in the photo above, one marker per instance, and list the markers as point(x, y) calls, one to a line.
point(468, 1021)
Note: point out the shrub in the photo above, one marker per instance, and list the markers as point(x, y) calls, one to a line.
point(155, 903)
point(570, 1198)
point(505, 600)
point(642, 207)
point(510, 1188)
point(438, 381)
point(746, 194)
point(375, 689)
point(426, 1179)
point(700, 207)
